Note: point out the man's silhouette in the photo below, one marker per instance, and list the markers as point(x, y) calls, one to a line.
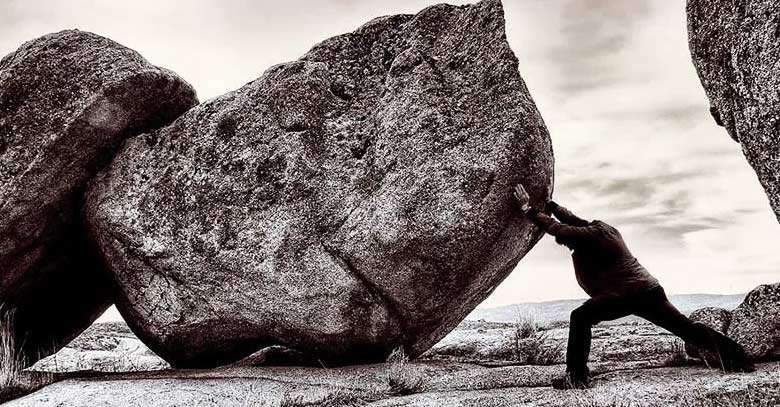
point(618, 286)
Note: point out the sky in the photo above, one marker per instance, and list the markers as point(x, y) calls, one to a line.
point(634, 143)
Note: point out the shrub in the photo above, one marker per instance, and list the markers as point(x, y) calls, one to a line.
point(343, 399)
point(402, 379)
point(289, 400)
point(541, 350)
point(14, 381)
point(11, 360)
point(339, 398)
point(525, 326)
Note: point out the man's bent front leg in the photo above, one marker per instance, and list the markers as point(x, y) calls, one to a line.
point(578, 347)
point(582, 320)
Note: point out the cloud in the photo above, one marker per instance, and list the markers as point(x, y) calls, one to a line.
point(591, 35)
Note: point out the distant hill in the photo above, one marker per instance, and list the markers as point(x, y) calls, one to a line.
point(550, 311)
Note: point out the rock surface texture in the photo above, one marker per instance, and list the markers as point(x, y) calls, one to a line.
point(736, 50)
point(67, 100)
point(717, 319)
point(343, 204)
point(755, 324)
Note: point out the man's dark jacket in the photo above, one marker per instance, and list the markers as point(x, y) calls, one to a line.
point(602, 262)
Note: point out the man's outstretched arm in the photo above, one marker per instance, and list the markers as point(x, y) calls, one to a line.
point(545, 222)
point(565, 215)
point(555, 228)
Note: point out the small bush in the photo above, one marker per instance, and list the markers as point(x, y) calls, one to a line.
point(14, 381)
point(339, 398)
point(402, 379)
point(11, 361)
point(525, 326)
point(540, 350)
point(289, 400)
point(532, 346)
point(343, 399)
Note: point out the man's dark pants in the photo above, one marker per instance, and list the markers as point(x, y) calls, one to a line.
point(651, 305)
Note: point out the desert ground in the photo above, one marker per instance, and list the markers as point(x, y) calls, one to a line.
point(478, 364)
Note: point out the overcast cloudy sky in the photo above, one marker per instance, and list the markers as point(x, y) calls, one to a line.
point(634, 143)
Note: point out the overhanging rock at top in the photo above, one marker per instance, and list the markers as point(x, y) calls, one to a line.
point(736, 50)
point(344, 204)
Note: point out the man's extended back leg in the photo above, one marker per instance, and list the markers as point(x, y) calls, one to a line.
point(664, 314)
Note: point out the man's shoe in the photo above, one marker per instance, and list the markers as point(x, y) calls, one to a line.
point(569, 382)
point(735, 359)
point(740, 364)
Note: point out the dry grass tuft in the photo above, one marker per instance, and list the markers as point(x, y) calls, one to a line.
point(402, 379)
point(542, 350)
point(533, 347)
point(525, 326)
point(343, 399)
point(14, 381)
point(340, 398)
point(11, 361)
point(289, 400)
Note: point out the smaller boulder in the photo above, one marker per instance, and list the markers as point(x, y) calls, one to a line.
point(715, 318)
point(68, 100)
point(755, 323)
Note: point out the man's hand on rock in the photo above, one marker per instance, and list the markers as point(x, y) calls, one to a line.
point(523, 200)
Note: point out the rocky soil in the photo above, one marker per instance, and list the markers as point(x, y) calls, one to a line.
point(443, 384)
point(478, 364)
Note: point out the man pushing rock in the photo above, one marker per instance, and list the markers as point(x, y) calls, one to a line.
point(618, 286)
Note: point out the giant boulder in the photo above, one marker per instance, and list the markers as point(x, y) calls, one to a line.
point(344, 204)
point(66, 102)
point(755, 323)
point(736, 50)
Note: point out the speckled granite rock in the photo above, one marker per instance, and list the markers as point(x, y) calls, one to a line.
point(67, 100)
point(736, 52)
point(344, 204)
point(755, 323)
point(717, 319)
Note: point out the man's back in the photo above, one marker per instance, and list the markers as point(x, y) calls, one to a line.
point(603, 264)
